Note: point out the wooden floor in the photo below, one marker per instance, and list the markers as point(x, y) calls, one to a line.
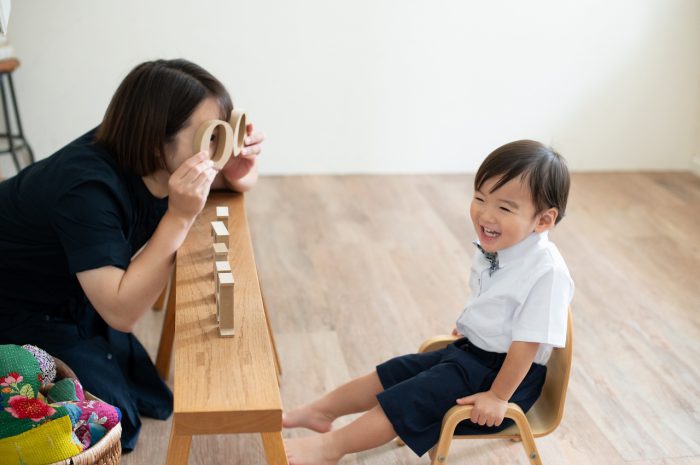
point(357, 269)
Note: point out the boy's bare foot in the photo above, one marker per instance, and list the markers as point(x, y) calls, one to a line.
point(312, 450)
point(307, 417)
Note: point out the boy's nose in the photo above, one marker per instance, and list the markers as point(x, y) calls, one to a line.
point(487, 215)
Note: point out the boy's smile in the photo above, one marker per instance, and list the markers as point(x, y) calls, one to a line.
point(507, 216)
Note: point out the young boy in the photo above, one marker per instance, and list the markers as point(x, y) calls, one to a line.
point(517, 312)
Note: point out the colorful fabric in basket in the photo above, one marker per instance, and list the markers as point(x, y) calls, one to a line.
point(94, 419)
point(67, 389)
point(36, 430)
point(49, 442)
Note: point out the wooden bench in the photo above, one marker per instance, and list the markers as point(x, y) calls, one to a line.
point(221, 385)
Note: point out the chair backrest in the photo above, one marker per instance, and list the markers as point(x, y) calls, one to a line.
point(549, 408)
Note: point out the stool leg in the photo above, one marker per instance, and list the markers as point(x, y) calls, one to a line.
point(19, 121)
point(8, 126)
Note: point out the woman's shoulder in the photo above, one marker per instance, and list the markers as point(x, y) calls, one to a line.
point(80, 163)
point(84, 155)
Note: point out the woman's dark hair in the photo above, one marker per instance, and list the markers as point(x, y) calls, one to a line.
point(540, 166)
point(151, 105)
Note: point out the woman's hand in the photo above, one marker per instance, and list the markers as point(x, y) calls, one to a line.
point(188, 186)
point(488, 409)
point(240, 173)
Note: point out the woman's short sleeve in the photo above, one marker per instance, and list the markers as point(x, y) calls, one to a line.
point(89, 221)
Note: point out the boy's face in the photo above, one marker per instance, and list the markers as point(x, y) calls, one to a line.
point(507, 216)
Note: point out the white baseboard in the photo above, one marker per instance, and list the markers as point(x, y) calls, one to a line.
point(695, 165)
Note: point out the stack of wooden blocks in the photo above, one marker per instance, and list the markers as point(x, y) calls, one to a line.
point(223, 276)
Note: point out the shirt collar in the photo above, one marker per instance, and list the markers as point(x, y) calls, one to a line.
point(517, 251)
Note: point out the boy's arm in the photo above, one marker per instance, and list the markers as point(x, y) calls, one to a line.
point(490, 406)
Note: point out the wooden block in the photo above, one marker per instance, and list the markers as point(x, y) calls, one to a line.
point(219, 267)
point(220, 232)
point(225, 305)
point(222, 266)
point(220, 251)
point(222, 215)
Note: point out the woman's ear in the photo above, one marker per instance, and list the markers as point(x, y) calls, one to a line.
point(546, 220)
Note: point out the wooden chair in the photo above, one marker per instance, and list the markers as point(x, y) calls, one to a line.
point(540, 420)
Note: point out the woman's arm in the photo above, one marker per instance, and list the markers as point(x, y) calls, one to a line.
point(490, 406)
point(121, 297)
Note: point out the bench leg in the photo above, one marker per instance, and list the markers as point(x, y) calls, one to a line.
point(178, 448)
point(278, 365)
point(274, 448)
point(158, 305)
point(165, 346)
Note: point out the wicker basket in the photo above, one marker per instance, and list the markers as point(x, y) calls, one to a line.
point(107, 451)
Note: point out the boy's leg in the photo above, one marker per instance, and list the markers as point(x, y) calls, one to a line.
point(358, 395)
point(371, 430)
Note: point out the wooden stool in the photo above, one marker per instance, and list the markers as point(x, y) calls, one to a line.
point(16, 141)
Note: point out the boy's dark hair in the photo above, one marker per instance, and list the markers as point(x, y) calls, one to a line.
point(540, 166)
point(153, 102)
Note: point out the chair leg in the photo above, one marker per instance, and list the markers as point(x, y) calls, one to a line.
point(438, 454)
point(8, 125)
point(431, 454)
point(528, 439)
point(18, 120)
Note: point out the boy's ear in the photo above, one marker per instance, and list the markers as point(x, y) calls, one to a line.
point(546, 220)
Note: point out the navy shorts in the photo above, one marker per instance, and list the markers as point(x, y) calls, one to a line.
point(420, 388)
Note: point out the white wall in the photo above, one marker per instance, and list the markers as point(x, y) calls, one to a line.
point(388, 86)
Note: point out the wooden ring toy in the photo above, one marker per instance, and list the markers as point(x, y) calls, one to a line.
point(224, 140)
point(238, 124)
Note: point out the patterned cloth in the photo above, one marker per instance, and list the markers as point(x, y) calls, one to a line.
point(46, 363)
point(34, 429)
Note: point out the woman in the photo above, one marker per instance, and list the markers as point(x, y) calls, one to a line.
point(71, 223)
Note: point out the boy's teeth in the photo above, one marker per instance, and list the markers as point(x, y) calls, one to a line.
point(490, 232)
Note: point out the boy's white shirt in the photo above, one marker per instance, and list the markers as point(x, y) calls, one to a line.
point(526, 299)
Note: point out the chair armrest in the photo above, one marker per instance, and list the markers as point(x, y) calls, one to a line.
point(436, 343)
point(459, 413)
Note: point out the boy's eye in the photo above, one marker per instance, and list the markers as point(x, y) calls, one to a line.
point(478, 199)
point(505, 209)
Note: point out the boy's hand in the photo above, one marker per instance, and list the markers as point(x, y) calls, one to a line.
point(456, 333)
point(488, 409)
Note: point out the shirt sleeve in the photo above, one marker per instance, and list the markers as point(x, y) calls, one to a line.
point(543, 316)
point(89, 222)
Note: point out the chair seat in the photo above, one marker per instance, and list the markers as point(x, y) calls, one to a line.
point(9, 65)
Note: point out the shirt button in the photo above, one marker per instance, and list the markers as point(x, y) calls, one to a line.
point(109, 356)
